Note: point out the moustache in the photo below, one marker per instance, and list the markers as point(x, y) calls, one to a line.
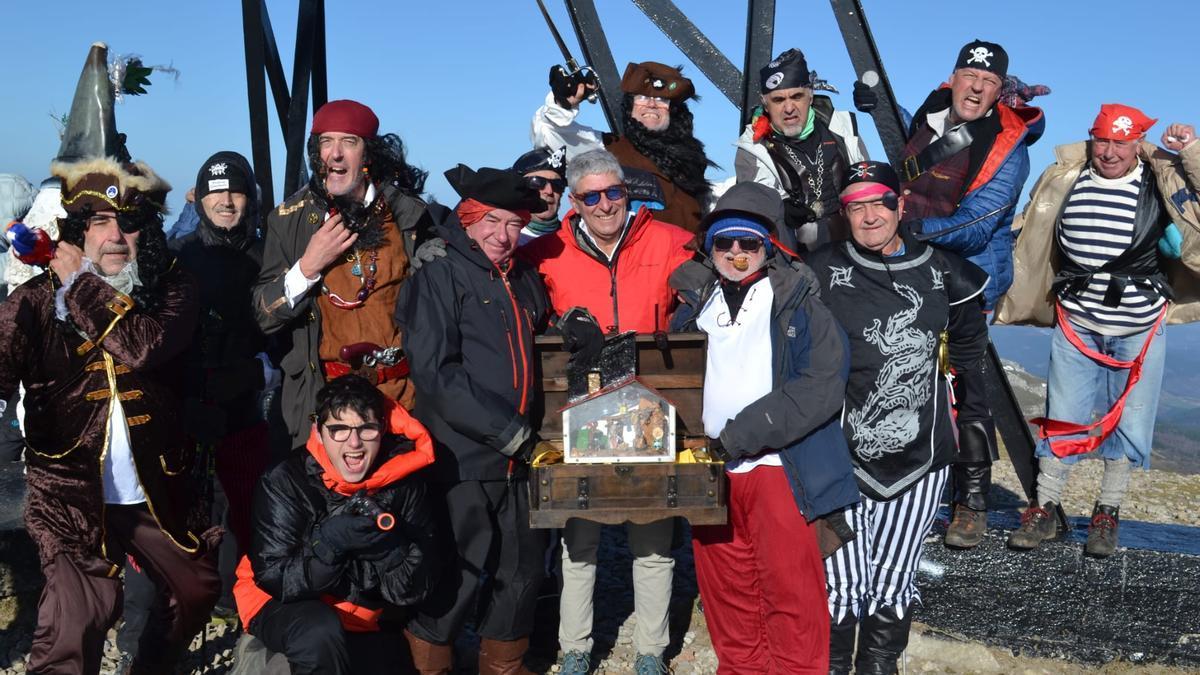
point(122, 250)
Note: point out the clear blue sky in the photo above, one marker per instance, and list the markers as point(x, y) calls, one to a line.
point(458, 80)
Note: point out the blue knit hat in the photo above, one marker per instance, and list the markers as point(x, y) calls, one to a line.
point(738, 227)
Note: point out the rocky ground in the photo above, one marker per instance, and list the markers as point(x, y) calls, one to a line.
point(1154, 496)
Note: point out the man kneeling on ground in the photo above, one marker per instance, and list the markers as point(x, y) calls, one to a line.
point(341, 534)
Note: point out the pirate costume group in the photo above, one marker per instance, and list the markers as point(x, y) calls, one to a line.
point(831, 379)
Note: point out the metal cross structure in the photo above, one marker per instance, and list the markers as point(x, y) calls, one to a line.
point(308, 67)
point(738, 86)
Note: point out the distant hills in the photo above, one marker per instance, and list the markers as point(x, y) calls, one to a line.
point(1026, 353)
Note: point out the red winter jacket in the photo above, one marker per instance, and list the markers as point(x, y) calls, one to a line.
point(631, 292)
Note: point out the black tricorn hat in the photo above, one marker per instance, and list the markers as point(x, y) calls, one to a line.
point(501, 188)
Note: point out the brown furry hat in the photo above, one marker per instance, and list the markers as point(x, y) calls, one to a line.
point(103, 183)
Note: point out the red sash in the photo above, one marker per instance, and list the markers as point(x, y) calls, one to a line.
point(1049, 429)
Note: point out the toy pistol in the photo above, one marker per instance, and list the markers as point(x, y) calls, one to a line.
point(362, 505)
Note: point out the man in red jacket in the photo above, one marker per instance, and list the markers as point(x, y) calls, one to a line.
point(614, 264)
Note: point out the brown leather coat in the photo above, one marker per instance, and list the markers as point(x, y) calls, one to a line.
point(70, 383)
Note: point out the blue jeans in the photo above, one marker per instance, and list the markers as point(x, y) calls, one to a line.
point(1080, 390)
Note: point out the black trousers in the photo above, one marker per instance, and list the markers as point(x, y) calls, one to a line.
point(499, 569)
point(310, 635)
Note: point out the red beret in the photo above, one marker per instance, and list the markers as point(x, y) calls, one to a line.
point(1118, 122)
point(347, 117)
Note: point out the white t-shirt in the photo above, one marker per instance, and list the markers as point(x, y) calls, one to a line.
point(121, 485)
point(738, 367)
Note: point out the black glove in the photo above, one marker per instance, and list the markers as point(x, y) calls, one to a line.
point(338, 536)
point(796, 213)
point(581, 335)
point(563, 86)
point(717, 449)
point(865, 98)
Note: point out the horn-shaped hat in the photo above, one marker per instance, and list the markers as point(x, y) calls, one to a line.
point(95, 168)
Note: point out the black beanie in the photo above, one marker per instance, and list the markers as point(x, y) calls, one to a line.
point(226, 170)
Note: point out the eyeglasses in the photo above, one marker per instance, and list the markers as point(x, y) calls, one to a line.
point(651, 100)
point(539, 182)
point(747, 244)
point(613, 193)
point(341, 432)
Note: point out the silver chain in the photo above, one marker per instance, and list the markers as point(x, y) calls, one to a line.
point(819, 168)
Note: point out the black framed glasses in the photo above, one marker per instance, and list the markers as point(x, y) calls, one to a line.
point(613, 193)
point(539, 182)
point(747, 244)
point(366, 432)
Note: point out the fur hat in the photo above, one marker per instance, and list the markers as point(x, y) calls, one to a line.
point(650, 78)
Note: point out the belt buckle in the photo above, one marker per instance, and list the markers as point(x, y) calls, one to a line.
point(910, 168)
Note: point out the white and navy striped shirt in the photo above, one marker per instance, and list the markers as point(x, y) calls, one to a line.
point(1097, 227)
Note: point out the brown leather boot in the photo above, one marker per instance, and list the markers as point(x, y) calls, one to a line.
point(429, 658)
point(503, 657)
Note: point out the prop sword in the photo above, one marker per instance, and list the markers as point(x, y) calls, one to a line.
point(926, 236)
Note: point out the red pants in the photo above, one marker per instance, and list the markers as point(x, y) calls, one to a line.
point(77, 609)
point(763, 582)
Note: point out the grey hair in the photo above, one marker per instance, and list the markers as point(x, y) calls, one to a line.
point(591, 163)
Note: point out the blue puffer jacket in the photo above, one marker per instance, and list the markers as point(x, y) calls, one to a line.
point(996, 183)
point(800, 417)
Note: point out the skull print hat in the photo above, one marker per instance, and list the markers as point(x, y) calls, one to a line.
point(1117, 122)
point(987, 56)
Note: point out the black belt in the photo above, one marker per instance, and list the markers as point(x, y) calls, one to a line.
point(951, 143)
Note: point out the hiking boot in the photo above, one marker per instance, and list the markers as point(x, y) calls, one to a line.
point(1102, 533)
point(967, 528)
point(1038, 524)
point(575, 663)
point(647, 664)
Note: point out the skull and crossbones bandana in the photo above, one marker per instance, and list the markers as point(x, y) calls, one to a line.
point(1117, 122)
point(987, 56)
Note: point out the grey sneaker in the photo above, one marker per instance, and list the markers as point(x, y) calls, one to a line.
point(647, 664)
point(1102, 533)
point(575, 663)
point(1038, 524)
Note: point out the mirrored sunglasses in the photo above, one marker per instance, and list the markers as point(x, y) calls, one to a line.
point(613, 194)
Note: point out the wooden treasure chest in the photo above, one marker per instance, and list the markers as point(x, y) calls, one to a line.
point(627, 434)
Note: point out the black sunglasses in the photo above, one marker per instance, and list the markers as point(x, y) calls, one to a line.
point(613, 193)
point(747, 244)
point(539, 182)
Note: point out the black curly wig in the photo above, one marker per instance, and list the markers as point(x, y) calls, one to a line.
point(675, 150)
point(154, 259)
point(386, 164)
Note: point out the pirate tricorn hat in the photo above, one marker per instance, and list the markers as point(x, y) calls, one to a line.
point(93, 163)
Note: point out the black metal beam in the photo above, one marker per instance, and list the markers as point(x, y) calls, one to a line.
point(295, 173)
point(275, 74)
point(260, 138)
point(1010, 422)
point(598, 55)
point(760, 42)
point(320, 76)
point(695, 46)
point(869, 67)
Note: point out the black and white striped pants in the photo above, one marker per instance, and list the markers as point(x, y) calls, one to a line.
point(878, 568)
